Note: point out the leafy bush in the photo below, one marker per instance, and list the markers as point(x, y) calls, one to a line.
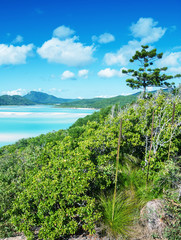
point(55, 195)
point(13, 169)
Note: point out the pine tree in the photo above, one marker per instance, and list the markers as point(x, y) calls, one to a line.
point(146, 75)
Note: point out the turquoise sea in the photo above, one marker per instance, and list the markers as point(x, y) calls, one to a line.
point(17, 122)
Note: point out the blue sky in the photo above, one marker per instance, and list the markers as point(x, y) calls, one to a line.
point(77, 48)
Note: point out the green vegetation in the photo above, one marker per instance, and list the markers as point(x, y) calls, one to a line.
point(62, 183)
point(101, 102)
point(14, 100)
point(146, 76)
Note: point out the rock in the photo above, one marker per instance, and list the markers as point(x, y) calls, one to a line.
point(152, 218)
point(179, 192)
point(15, 238)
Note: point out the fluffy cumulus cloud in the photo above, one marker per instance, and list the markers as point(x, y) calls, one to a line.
point(63, 32)
point(68, 75)
point(18, 39)
point(68, 52)
point(14, 54)
point(146, 30)
point(104, 38)
point(122, 56)
point(83, 73)
point(110, 73)
point(171, 60)
point(19, 91)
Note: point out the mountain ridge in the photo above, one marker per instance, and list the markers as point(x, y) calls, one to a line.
point(44, 98)
point(14, 100)
point(35, 97)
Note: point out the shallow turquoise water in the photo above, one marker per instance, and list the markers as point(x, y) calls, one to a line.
point(18, 122)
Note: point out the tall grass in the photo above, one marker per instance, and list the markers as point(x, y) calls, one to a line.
point(124, 215)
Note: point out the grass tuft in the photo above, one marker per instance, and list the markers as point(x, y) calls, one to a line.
point(124, 215)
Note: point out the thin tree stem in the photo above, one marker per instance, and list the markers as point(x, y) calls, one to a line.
point(117, 165)
point(173, 116)
point(150, 148)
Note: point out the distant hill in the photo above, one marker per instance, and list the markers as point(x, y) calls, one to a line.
point(44, 98)
point(14, 100)
point(101, 102)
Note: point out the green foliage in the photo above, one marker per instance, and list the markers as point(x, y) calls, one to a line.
point(97, 116)
point(15, 161)
point(166, 183)
point(13, 169)
point(55, 194)
point(169, 177)
point(147, 76)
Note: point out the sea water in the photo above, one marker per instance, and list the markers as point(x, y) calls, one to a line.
point(17, 122)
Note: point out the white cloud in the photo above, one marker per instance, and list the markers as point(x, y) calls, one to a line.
point(104, 38)
point(19, 91)
point(68, 75)
point(109, 73)
point(123, 54)
point(14, 55)
point(106, 96)
point(170, 59)
point(83, 73)
point(68, 52)
point(18, 39)
point(175, 70)
point(63, 32)
point(38, 90)
point(146, 30)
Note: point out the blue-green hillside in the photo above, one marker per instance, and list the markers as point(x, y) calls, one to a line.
point(100, 102)
point(44, 98)
point(14, 100)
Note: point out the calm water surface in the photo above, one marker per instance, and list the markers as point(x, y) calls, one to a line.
point(18, 122)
